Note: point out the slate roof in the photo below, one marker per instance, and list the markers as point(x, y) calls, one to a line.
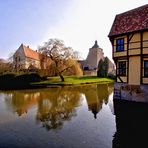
point(130, 21)
point(96, 45)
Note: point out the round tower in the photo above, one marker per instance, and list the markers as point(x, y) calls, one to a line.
point(93, 57)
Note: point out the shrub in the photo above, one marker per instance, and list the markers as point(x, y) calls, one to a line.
point(111, 76)
point(14, 81)
point(28, 78)
point(103, 67)
point(7, 80)
point(7, 77)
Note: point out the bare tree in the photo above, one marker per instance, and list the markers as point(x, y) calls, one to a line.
point(10, 57)
point(5, 66)
point(63, 58)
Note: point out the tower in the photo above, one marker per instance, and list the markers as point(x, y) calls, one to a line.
point(93, 57)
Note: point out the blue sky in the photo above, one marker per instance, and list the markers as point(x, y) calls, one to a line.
point(78, 22)
point(26, 21)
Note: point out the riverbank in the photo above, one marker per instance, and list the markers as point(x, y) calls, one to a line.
point(69, 80)
point(33, 81)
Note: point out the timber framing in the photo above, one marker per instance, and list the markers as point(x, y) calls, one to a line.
point(141, 58)
point(135, 34)
point(128, 40)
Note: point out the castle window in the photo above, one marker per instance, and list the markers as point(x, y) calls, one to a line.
point(120, 44)
point(146, 68)
point(122, 68)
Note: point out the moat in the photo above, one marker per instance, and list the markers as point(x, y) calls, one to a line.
point(67, 117)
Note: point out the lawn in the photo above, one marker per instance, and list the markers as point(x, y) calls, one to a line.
point(69, 80)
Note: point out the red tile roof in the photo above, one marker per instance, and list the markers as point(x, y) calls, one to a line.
point(130, 21)
point(31, 53)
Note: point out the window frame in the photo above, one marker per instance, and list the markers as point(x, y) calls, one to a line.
point(119, 44)
point(145, 69)
point(122, 68)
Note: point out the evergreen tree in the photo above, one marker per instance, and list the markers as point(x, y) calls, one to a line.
point(103, 67)
point(106, 66)
point(100, 68)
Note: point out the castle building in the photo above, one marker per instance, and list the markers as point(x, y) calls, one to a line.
point(26, 58)
point(90, 65)
point(129, 38)
point(94, 56)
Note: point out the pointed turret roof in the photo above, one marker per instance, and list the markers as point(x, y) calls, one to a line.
point(96, 45)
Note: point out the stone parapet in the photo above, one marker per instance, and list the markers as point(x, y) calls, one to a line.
point(138, 93)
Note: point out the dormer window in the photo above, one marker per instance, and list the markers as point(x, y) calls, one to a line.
point(120, 44)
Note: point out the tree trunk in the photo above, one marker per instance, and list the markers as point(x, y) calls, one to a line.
point(62, 78)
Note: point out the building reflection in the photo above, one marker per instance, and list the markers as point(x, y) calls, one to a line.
point(96, 95)
point(131, 124)
point(21, 101)
point(54, 106)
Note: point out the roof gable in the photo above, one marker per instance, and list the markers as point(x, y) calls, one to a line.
point(130, 21)
point(29, 53)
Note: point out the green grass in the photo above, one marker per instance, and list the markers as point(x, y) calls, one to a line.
point(72, 80)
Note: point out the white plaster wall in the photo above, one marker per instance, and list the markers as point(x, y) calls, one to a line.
point(33, 62)
point(22, 61)
point(20, 56)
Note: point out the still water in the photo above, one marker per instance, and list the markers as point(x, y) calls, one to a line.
point(62, 117)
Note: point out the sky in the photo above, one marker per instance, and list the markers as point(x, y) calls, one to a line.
point(77, 22)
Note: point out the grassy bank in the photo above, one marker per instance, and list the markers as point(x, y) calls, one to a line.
point(14, 81)
point(74, 80)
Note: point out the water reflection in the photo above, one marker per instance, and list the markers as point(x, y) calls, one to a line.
point(96, 95)
point(21, 101)
point(54, 106)
point(57, 106)
point(131, 124)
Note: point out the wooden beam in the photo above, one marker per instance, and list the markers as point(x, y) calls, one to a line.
point(141, 57)
point(120, 79)
point(112, 42)
point(116, 68)
point(128, 40)
point(131, 36)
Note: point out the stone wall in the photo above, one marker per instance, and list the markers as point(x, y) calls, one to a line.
point(93, 58)
point(90, 72)
point(138, 93)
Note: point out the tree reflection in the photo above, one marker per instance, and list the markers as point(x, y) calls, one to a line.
point(54, 106)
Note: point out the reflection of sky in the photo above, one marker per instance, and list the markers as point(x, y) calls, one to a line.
point(110, 103)
point(5, 114)
point(104, 125)
point(82, 130)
